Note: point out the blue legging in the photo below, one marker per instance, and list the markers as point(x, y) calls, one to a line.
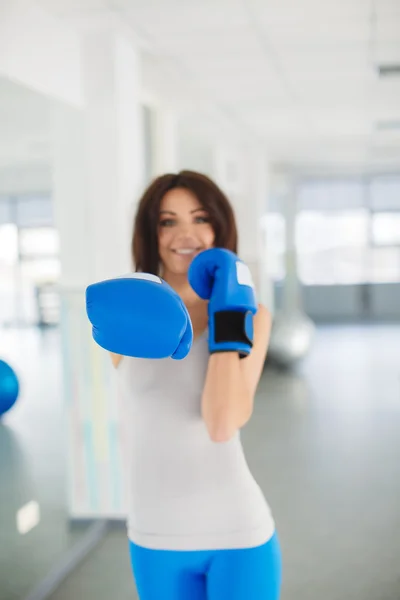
point(248, 574)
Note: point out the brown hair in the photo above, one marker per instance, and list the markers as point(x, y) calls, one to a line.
point(145, 234)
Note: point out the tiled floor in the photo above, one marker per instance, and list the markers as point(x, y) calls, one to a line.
point(29, 468)
point(324, 444)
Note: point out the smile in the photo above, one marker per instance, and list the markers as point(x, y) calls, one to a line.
point(185, 251)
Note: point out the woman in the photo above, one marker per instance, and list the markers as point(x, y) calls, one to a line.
point(199, 526)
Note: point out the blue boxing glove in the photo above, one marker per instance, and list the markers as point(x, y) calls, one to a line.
point(219, 276)
point(139, 315)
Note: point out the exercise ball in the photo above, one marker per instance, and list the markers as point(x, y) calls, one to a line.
point(291, 338)
point(9, 387)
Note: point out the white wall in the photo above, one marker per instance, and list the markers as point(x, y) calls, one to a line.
point(25, 179)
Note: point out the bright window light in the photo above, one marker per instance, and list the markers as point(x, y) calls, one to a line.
point(8, 244)
point(386, 228)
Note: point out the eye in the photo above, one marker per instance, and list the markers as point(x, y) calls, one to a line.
point(167, 223)
point(202, 219)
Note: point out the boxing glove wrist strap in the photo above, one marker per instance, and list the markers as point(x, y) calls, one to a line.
point(230, 326)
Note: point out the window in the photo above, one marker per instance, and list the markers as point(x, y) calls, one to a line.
point(383, 265)
point(8, 244)
point(274, 244)
point(39, 249)
point(384, 193)
point(316, 230)
point(385, 228)
point(347, 231)
point(42, 241)
point(29, 255)
point(8, 263)
point(332, 246)
point(39, 271)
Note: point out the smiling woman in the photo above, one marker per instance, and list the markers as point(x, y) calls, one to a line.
point(184, 230)
point(173, 206)
point(212, 536)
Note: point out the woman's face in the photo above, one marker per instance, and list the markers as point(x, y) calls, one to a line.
point(184, 230)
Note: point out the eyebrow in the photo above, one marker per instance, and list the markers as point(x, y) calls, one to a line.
point(171, 212)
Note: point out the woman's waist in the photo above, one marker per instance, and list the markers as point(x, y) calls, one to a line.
point(174, 471)
point(224, 508)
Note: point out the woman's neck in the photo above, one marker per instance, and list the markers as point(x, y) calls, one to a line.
point(196, 306)
point(182, 287)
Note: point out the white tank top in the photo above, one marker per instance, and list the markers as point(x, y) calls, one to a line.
point(185, 492)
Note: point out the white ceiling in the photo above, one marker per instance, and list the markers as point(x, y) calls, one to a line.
point(300, 75)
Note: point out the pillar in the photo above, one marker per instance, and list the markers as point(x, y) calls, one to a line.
point(97, 176)
point(164, 141)
point(292, 297)
point(243, 174)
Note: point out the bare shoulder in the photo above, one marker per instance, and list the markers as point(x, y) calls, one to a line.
point(116, 359)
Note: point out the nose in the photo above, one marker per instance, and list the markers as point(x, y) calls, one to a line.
point(185, 230)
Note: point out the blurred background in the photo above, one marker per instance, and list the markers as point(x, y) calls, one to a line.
point(294, 109)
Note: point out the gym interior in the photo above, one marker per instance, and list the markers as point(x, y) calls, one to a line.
point(294, 110)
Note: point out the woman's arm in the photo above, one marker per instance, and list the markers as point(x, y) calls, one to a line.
point(231, 383)
point(116, 359)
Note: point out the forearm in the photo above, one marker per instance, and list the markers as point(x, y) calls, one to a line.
point(226, 400)
point(116, 358)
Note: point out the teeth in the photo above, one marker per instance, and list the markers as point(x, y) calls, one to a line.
point(185, 251)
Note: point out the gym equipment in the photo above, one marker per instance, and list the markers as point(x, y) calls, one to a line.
point(292, 330)
point(9, 387)
point(292, 334)
point(218, 275)
point(139, 315)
